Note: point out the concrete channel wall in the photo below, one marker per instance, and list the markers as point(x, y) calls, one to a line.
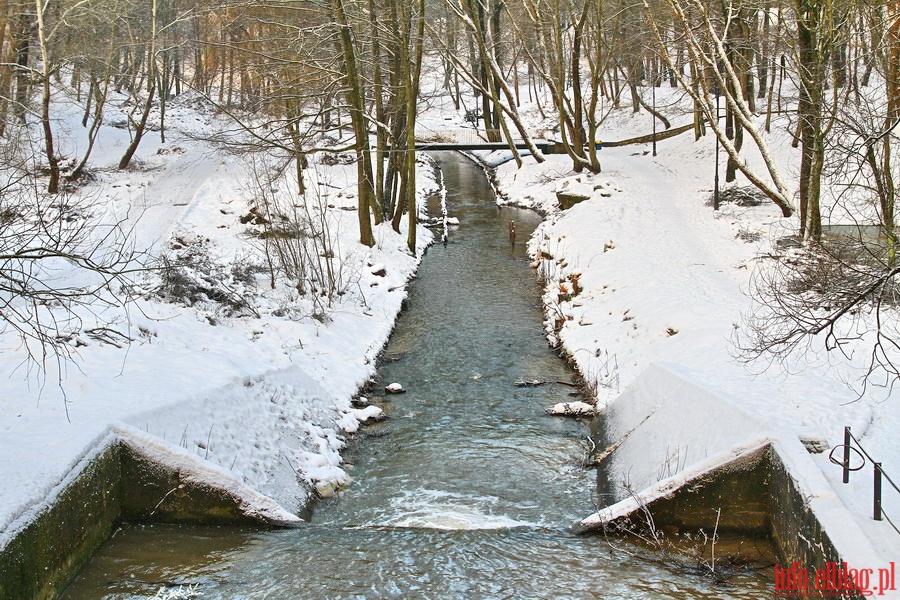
point(118, 481)
point(694, 460)
point(51, 546)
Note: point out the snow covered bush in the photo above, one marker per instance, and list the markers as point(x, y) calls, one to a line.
point(295, 232)
point(189, 276)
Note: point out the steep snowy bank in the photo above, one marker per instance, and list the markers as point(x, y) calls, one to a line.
point(258, 385)
point(644, 271)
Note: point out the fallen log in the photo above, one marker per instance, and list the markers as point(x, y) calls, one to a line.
point(648, 139)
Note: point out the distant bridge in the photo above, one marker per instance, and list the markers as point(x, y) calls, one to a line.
point(544, 146)
point(472, 139)
point(466, 138)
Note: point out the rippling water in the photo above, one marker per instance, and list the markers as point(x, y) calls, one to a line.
point(468, 490)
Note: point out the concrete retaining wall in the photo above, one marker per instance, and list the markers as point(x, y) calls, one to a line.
point(117, 482)
point(693, 459)
point(47, 552)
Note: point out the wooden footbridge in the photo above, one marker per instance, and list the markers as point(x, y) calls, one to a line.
point(472, 139)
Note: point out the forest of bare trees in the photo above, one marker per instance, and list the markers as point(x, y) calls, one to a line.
point(313, 68)
point(307, 76)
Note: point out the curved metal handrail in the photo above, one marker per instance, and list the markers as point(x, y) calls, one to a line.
point(853, 445)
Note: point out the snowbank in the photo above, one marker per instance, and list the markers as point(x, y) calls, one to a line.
point(666, 425)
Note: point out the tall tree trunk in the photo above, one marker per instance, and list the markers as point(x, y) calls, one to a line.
point(380, 115)
point(763, 59)
point(141, 126)
point(22, 44)
point(812, 88)
point(49, 150)
point(888, 192)
point(100, 91)
point(356, 101)
point(578, 132)
point(413, 72)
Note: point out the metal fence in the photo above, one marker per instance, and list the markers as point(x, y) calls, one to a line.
point(854, 458)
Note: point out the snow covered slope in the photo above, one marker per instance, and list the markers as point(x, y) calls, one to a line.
point(261, 393)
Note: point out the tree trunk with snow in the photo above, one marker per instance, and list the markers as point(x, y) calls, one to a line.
point(706, 48)
point(357, 108)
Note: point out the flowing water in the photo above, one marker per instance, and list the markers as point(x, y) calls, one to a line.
point(468, 490)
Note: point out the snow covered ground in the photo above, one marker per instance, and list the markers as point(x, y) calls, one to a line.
point(643, 272)
point(261, 390)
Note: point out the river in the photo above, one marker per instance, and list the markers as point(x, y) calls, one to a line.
point(467, 490)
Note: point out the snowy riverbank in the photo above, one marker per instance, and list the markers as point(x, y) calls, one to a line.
point(259, 388)
point(644, 272)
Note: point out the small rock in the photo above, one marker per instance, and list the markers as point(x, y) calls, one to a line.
point(370, 413)
point(814, 445)
point(572, 409)
point(569, 199)
point(378, 270)
point(326, 489)
point(394, 388)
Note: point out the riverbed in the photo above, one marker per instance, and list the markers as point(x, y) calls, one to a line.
point(467, 490)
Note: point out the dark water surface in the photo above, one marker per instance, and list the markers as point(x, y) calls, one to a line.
point(468, 490)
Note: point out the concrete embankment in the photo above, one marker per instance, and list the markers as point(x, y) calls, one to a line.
point(691, 458)
point(128, 476)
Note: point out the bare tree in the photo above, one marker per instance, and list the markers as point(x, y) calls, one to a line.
point(355, 95)
point(99, 67)
point(818, 26)
point(490, 80)
point(140, 125)
point(839, 292)
point(704, 36)
point(59, 265)
point(563, 30)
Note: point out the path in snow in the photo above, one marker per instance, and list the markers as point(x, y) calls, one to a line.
point(678, 236)
point(162, 199)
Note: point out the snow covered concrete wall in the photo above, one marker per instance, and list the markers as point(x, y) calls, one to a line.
point(254, 451)
point(161, 482)
point(810, 522)
point(43, 549)
point(279, 434)
point(682, 451)
point(664, 425)
point(129, 475)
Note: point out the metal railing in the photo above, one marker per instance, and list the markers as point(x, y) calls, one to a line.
point(851, 447)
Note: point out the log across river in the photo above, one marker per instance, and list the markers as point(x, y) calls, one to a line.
point(468, 490)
